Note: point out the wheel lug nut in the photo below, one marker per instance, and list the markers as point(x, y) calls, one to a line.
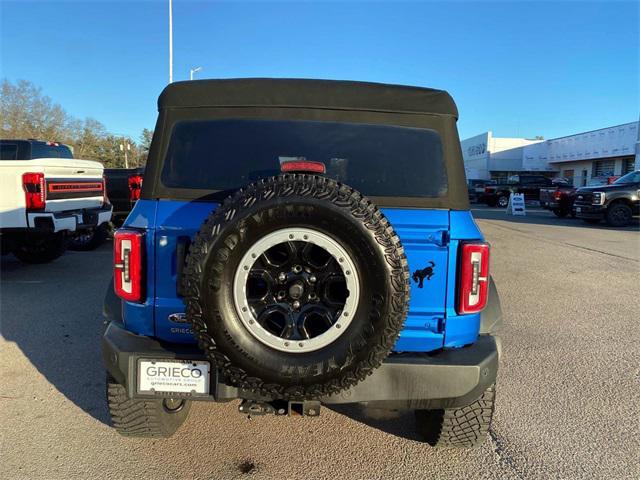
point(312, 279)
point(296, 269)
point(296, 304)
point(282, 276)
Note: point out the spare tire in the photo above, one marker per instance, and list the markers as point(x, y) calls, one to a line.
point(296, 287)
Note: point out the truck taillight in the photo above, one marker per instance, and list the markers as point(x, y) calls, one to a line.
point(473, 286)
point(557, 195)
point(34, 191)
point(488, 189)
point(135, 187)
point(128, 259)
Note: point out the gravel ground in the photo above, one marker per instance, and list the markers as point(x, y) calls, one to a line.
point(568, 391)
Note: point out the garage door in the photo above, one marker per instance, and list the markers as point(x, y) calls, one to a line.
point(603, 168)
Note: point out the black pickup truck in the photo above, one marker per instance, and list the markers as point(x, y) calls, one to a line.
point(123, 188)
point(529, 185)
point(616, 203)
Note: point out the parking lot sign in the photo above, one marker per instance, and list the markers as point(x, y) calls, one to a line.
point(516, 204)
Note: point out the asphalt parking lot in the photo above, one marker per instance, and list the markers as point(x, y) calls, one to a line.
point(568, 391)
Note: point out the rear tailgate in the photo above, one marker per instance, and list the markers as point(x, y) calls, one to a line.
point(424, 234)
point(547, 195)
point(71, 184)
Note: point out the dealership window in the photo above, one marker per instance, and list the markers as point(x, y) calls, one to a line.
point(603, 168)
point(628, 164)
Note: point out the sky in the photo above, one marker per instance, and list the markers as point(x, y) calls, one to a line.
point(516, 68)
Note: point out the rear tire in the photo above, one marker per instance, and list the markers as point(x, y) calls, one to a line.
point(503, 201)
point(464, 427)
point(144, 418)
point(560, 213)
point(619, 215)
point(41, 248)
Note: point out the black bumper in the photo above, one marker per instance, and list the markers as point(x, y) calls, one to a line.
point(450, 378)
point(589, 211)
point(550, 205)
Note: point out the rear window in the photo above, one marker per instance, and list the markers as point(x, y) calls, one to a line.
point(8, 151)
point(378, 160)
point(45, 150)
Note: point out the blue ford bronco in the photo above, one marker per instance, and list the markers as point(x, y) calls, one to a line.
point(301, 243)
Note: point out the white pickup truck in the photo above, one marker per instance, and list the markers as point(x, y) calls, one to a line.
point(47, 197)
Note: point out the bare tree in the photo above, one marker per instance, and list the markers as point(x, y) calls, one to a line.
point(26, 113)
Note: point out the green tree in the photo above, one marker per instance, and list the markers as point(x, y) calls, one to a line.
point(145, 145)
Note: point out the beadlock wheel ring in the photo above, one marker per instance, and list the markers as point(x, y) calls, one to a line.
point(344, 314)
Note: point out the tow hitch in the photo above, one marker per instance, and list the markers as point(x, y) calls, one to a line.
point(305, 408)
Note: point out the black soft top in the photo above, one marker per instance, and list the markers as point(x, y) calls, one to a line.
point(303, 93)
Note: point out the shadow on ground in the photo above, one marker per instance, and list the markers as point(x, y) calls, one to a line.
point(398, 423)
point(53, 314)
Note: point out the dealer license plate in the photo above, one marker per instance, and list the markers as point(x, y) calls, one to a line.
point(179, 376)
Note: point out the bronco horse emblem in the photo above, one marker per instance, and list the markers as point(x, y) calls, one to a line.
point(420, 275)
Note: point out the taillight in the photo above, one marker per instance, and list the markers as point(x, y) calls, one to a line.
point(135, 187)
point(488, 189)
point(557, 195)
point(34, 191)
point(128, 264)
point(473, 286)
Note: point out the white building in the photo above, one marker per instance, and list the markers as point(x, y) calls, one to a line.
point(609, 151)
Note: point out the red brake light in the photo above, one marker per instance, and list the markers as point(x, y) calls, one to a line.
point(557, 195)
point(135, 187)
point(473, 286)
point(34, 191)
point(305, 166)
point(128, 264)
point(488, 189)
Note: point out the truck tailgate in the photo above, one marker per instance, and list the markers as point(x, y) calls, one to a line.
point(72, 184)
point(547, 195)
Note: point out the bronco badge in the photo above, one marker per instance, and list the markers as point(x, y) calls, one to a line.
point(420, 275)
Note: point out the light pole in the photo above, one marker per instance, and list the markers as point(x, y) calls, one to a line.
point(192, 71)
point(170, 41)
point(125, 147)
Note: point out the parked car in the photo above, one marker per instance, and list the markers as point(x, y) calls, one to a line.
point(616, 203)
point(46, 197)
point(475, 188)
point(288, 240)
point(123, 188)
point(559, 198)
point(529, 185)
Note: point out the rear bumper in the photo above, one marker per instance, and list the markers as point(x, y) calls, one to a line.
point(69, 220)
point(450, 378)
point(550, 205)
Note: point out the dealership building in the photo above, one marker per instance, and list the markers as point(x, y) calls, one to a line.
point(610, 151)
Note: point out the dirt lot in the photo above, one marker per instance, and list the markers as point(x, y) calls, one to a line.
point(568, 392)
